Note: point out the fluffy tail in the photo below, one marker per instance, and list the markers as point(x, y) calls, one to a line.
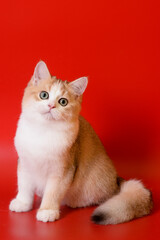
point(132, 201)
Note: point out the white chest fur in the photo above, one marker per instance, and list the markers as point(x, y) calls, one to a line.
point(42, 149)
point(41, 146)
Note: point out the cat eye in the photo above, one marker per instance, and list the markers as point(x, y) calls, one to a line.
point(63, 102)
point(44, 95)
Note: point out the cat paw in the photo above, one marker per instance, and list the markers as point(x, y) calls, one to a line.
point(18, 206)
point(48, 215)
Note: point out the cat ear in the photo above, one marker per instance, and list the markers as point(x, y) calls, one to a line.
point(79, 85)
point(40, 72)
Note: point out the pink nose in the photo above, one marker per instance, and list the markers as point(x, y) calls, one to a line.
point(51, 106)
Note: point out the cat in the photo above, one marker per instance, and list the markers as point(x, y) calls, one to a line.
point(62, 160)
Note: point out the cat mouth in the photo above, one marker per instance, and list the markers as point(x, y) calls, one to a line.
point(49, 111)
point(49, 115)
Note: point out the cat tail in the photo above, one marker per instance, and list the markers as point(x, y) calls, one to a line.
point(132, 201)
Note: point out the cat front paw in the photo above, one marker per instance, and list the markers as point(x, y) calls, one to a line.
point(47, 215)
point(18, 206)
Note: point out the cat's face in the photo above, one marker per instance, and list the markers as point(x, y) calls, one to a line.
point(47, 98)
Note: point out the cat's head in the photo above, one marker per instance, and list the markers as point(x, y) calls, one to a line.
point(48, 98)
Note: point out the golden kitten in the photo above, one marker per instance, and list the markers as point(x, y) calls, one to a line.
point(62, 159)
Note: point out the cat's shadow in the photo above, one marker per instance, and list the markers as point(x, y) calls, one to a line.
point(65, 210)
point(156, 201)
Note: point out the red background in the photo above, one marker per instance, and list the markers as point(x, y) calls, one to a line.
point(115, 43)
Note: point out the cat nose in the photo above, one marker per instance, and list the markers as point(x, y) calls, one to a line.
point(51, 106)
